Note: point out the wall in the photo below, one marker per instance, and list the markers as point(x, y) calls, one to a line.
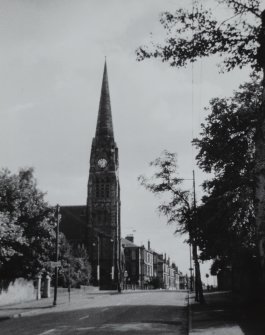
point(18, 291)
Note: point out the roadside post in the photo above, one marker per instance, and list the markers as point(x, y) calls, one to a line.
point(38, 293)
point(69, 282)
point(125, 276)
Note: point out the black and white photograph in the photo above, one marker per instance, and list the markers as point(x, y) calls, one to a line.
point(132, 167)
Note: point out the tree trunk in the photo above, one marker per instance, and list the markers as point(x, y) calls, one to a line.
point(198, 283)
point(118, 277)
point(260, 163)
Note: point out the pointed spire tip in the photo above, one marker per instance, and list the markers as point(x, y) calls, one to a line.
point(104, 123)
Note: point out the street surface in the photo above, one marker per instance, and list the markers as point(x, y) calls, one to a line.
point(156, 312)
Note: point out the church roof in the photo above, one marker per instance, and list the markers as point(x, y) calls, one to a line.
point(73, 223)
point(104, 122)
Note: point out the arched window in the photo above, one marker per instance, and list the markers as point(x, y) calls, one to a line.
point(102, 188)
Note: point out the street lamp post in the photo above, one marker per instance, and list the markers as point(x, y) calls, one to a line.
point(56, 257)
point(193, 250)
point(191, 279)
point(113, 259)
point(198, 283)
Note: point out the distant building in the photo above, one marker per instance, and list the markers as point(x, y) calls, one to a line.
point(147, 266)
point(183, 281)
point(172, 280)
point(132, 255)
point(138, 263)
point(176, 276)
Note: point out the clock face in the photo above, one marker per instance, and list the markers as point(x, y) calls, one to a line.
point(102, 163)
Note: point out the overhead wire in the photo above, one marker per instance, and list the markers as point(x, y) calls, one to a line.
point(192, 92)
point(200, 84)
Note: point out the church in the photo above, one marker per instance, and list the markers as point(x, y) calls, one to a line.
point(96, 225)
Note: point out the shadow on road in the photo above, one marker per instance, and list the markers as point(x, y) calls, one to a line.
point(223, 310)
point(136, 319)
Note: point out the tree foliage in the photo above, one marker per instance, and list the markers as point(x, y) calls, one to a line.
point(198, 33)
point(240, 39)
point(226, 150)
point(166, 182)
point(225, 225)
point(176, 206)
point(76, 268)
point(26, 225)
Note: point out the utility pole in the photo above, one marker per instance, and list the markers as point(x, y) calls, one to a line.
point(198, 283)
point(191, 275)
point(113, 259)
point(117, 252)
point(98, 266)
point(118, 263)
point(56, 256)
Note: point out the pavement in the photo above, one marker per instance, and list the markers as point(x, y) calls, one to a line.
point(225, 314)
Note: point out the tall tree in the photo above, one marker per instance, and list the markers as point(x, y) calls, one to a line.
point(240, 37)
point(176, 207)
point(26, 225)
point(226, 151)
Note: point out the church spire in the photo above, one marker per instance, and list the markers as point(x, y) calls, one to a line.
point(104, 123)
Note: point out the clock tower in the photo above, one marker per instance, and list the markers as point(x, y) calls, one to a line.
point(103, 198)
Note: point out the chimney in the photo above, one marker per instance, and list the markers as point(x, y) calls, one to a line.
point(130, 238)
point(148, 243)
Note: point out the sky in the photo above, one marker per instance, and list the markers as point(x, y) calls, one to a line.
point(51, 67)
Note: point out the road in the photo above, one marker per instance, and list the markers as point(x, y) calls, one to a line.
point(159, 312)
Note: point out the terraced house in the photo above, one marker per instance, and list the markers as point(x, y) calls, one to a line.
point(146, 269)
